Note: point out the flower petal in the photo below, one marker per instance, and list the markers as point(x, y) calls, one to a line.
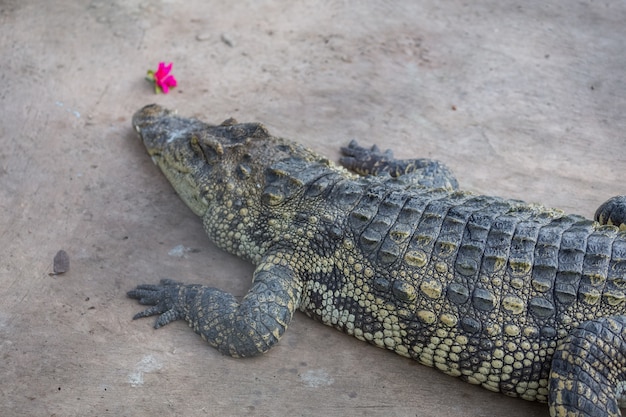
point(170, 81)
point(163, 70)
point(162, 78)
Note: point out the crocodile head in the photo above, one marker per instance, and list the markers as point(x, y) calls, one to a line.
point(174, 147)
point(205, 162)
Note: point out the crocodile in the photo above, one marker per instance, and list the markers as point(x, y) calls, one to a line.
point(518, 298)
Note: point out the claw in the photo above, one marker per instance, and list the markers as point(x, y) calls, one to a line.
point(352, 149)
point(147, 312)
point(161, 298)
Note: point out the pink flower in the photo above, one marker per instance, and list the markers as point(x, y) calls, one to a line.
point(162, 78)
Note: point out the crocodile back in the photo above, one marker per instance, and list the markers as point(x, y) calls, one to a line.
point(480, 287)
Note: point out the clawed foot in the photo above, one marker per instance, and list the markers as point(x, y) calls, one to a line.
point(613, 211)
point(423, 172)
point(164, 299)
point(362, 160)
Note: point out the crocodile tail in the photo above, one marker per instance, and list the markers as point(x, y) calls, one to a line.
point(588, 370)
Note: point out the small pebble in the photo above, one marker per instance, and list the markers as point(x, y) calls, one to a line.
point(61, 263)
point(203, 37)
point(227, 40)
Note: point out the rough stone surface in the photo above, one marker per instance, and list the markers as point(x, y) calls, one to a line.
point(524, 102)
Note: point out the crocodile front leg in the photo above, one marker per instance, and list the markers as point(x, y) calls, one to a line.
point(237, 329)
point(588, 372)
point(424, 172)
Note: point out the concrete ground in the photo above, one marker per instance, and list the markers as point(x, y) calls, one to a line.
point(521, 99)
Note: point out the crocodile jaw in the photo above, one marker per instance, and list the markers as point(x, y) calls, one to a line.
point(167, 139)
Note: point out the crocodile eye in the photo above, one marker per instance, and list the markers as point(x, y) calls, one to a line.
point(207, 147)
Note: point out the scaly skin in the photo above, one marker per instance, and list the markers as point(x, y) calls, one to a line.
point(518, 298)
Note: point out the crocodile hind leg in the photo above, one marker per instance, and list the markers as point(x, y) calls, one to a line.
point(613, 211)
point(236, 329)
point(425, 172)
point(588, 372)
